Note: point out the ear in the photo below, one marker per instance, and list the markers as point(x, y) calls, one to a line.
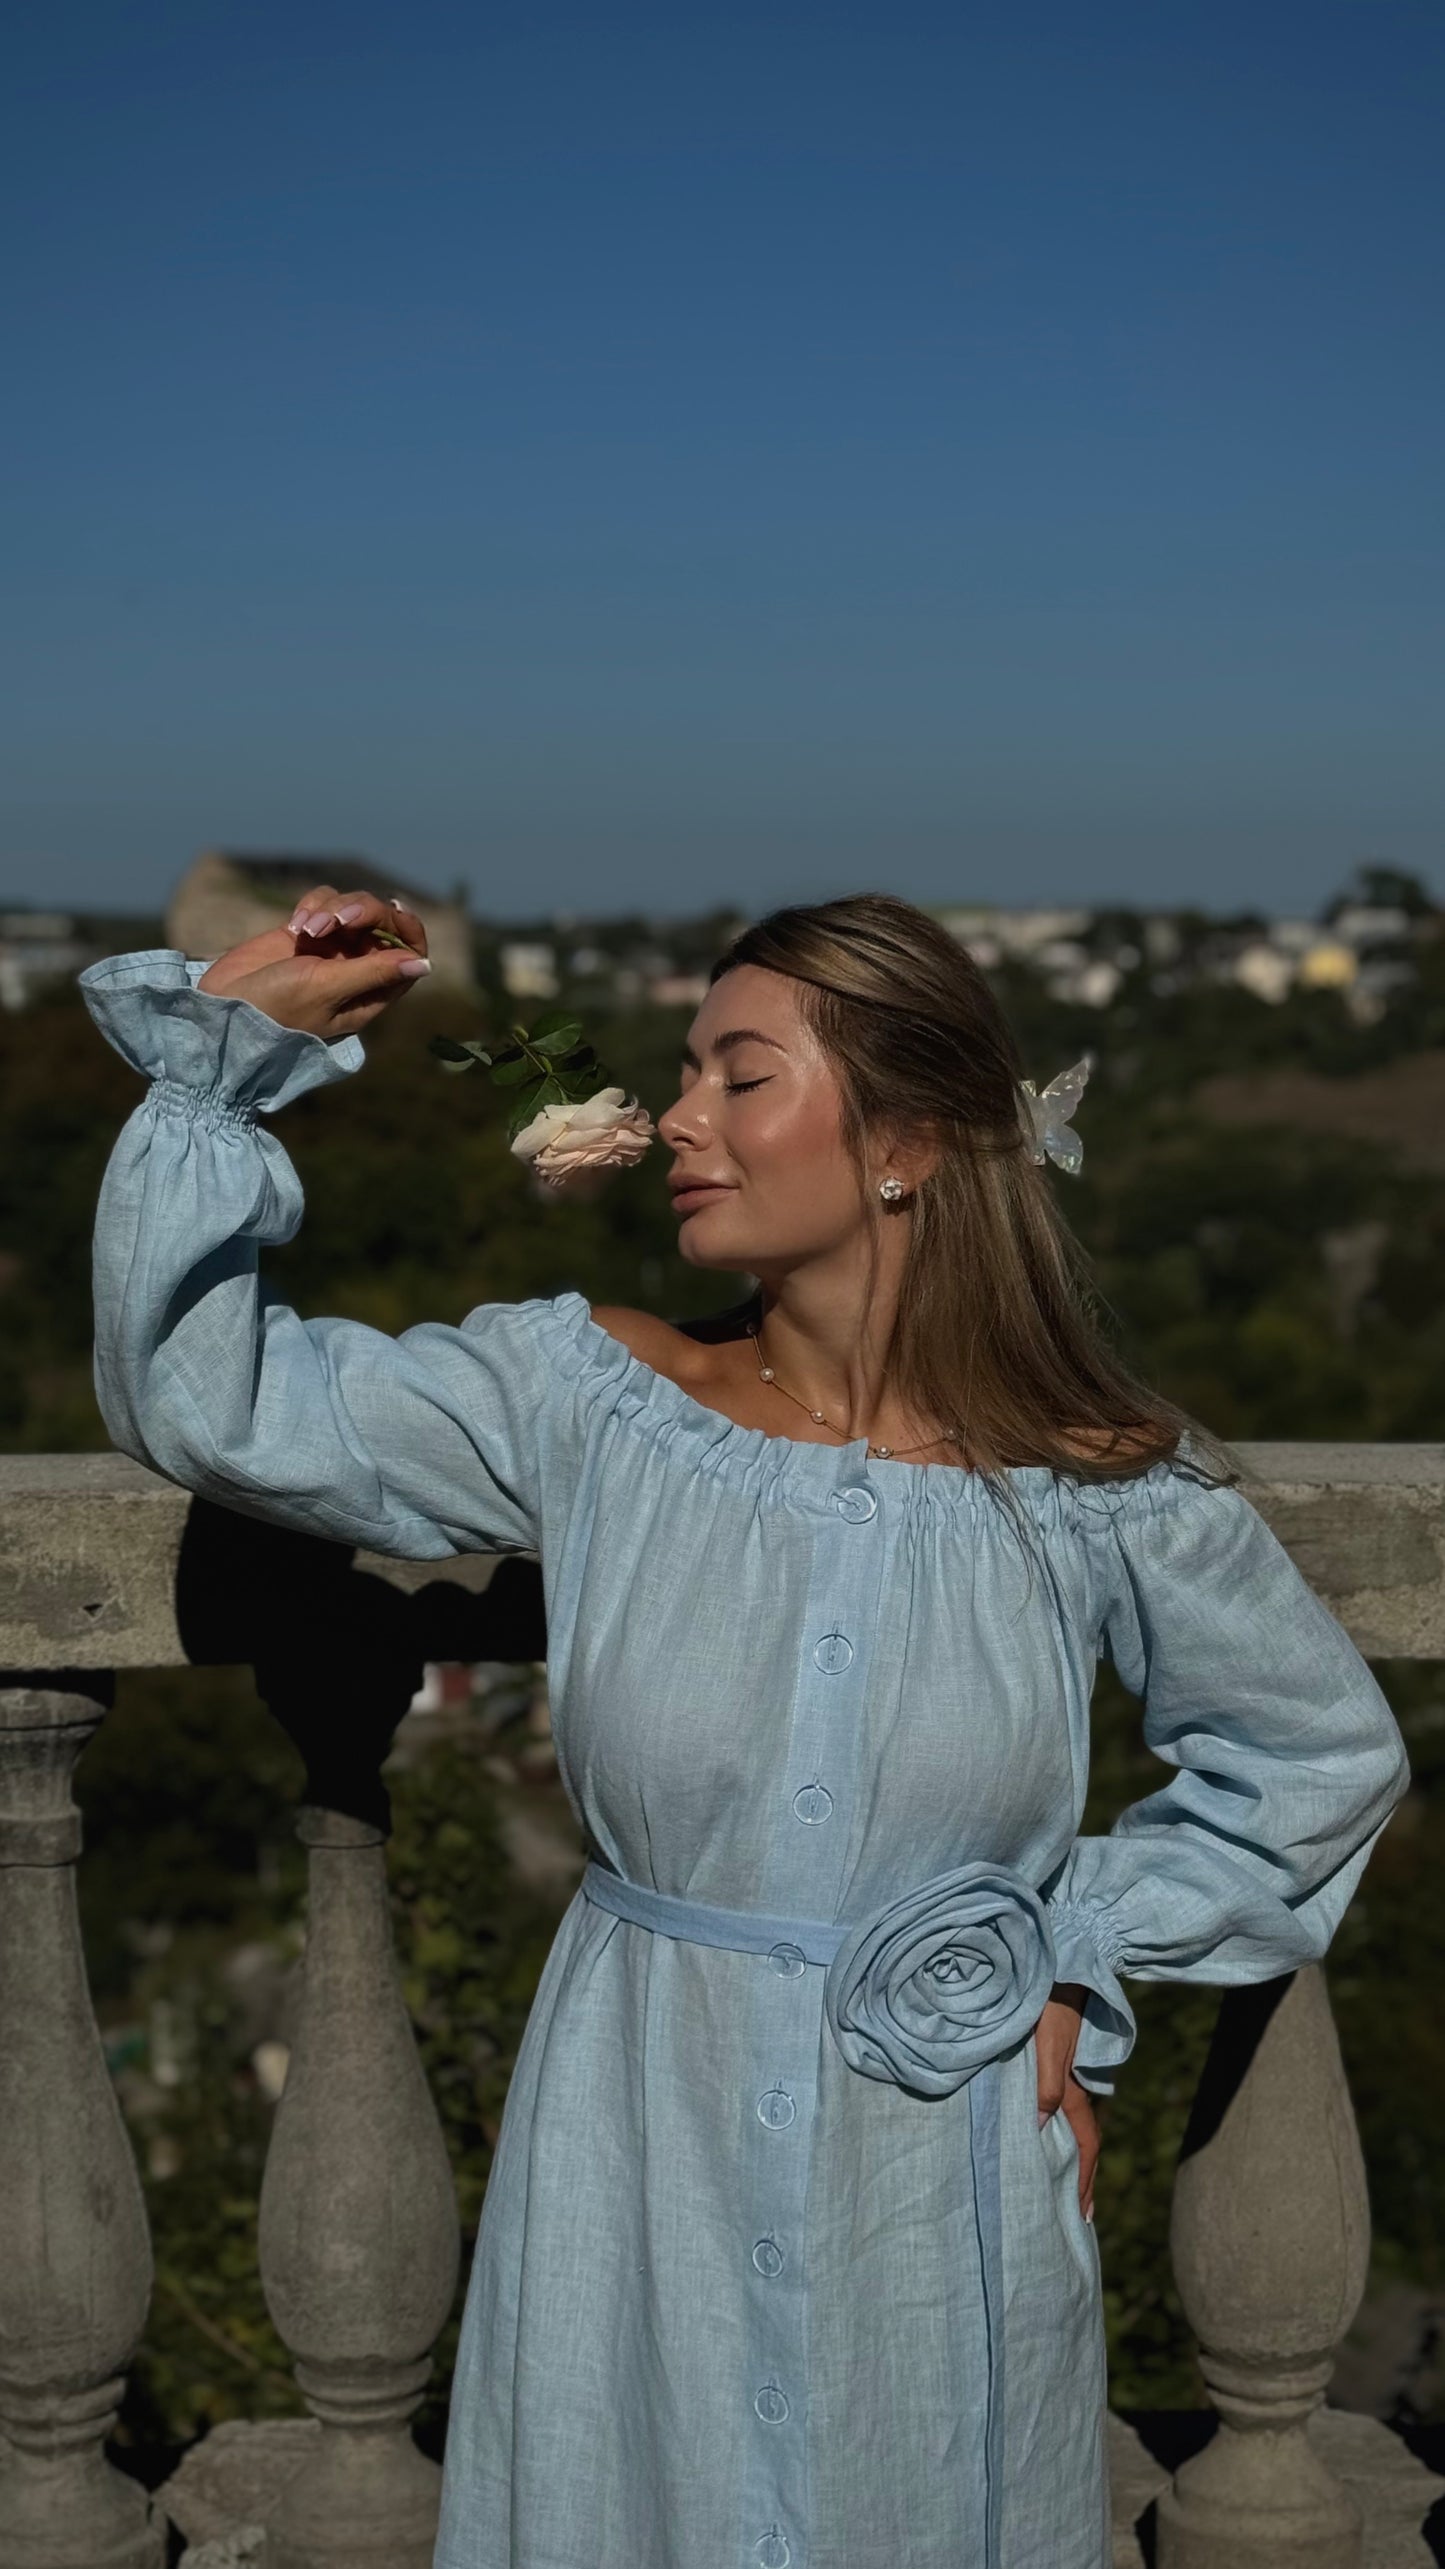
point(911, 1157)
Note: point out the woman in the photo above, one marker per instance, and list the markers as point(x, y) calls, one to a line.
point(786, 2255)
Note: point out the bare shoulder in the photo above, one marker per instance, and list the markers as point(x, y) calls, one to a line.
point(655, 1342)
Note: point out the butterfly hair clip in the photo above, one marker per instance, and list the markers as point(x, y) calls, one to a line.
point(1049, 1112)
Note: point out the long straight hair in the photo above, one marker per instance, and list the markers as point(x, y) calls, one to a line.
point(999, 1331)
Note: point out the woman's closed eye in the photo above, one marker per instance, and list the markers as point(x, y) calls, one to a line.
point(735, 1087)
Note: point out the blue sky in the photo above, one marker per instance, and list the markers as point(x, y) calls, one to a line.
point(666, 456)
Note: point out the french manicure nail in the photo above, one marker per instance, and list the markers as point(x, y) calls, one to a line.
point(395, 903)
point(1043, 2118)
point(293, 924)
point(317, 922)
point(350, 910)
point(411, 965)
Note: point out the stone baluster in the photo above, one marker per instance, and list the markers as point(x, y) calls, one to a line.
point(1270, 2242)
point(75, 2257)
point(359, 2235)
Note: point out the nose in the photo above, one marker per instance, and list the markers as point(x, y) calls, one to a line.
point(684, 1126)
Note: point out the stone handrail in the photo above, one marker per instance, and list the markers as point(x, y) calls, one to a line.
point(104, 1565)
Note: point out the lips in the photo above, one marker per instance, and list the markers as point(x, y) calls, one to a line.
point(690, 1194)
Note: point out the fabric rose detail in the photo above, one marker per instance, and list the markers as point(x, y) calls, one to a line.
point(608, 1131)
point(945, 1978)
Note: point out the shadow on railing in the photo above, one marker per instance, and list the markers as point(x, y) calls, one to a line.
point(110, 1566)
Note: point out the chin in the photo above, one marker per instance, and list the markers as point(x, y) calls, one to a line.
point(697, 1250)
point(707, 1239)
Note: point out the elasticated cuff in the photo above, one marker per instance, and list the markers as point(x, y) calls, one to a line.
point(219, 1058)
point(1084, 1952)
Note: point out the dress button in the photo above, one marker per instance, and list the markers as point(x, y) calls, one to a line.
point(772, 2404)
point(772, 2552)
point(833, 1654)
point(788, 1961)
point(776, 2109)
point(768, 2256)
point(856, 1503)
point(812, 1803)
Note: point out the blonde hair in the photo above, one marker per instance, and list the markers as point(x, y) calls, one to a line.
point(998, 1333)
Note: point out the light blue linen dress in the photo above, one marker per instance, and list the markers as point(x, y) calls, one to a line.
point(776, 2270)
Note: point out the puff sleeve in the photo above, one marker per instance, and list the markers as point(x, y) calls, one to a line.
point(421, 1446)
point(1287, 1763)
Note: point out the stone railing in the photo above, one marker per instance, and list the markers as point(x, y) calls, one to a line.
point(107, 1566)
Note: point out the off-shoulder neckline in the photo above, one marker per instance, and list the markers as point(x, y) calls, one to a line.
point(817, 1469)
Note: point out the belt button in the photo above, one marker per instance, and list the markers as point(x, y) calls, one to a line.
point(788, 1961)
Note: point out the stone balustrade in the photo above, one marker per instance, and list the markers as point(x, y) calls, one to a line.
point(104, 1565)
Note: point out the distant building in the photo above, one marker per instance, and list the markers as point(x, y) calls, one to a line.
point(1294, 936)
point(1018, 933)
point(529, 970)
point(1091, 984)
point(1328, 966)
point(1163, 939)
point(678, 990)
point(1266, 972)
point(1367, 923)
point(225, 898)
point(40, 948)
point(36, 947)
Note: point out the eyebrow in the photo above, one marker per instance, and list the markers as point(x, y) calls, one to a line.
point(729, 1043)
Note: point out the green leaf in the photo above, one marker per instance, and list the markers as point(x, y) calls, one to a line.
point(523, 1110)
point(549, 1021)
point(509, 1073)
point(555, 1039)
point(547, 1092)
point(457, 1056)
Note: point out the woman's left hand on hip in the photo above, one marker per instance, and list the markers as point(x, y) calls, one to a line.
point(1056, 2038)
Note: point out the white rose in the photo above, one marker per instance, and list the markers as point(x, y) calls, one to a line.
point(608, 1131)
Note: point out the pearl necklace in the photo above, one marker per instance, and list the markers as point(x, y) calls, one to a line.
point(882, 1453)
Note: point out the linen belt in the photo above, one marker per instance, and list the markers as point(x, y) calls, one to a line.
point(751, 1931)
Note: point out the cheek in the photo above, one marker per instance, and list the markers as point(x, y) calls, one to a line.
point(796, 1140)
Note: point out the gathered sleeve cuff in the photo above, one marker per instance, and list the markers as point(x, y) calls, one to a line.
point(1287, 1764)
point(422, 1445)
point(217, 1056)
point(1085, 1954)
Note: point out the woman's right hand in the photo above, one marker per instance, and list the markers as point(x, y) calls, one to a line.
point(327, 978)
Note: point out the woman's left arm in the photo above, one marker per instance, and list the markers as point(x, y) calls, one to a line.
point(1287, 1758)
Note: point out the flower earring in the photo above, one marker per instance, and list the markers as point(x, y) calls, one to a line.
point(891, 1189)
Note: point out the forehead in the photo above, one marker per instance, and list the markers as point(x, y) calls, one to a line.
point(750, 996)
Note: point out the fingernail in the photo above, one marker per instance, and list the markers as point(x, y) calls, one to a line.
point(350, 910)
point(1043, 2118)
point(316, 923)
point(395, 904)
point(411, 965)
point(293, 924)
point(1089, 2215)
